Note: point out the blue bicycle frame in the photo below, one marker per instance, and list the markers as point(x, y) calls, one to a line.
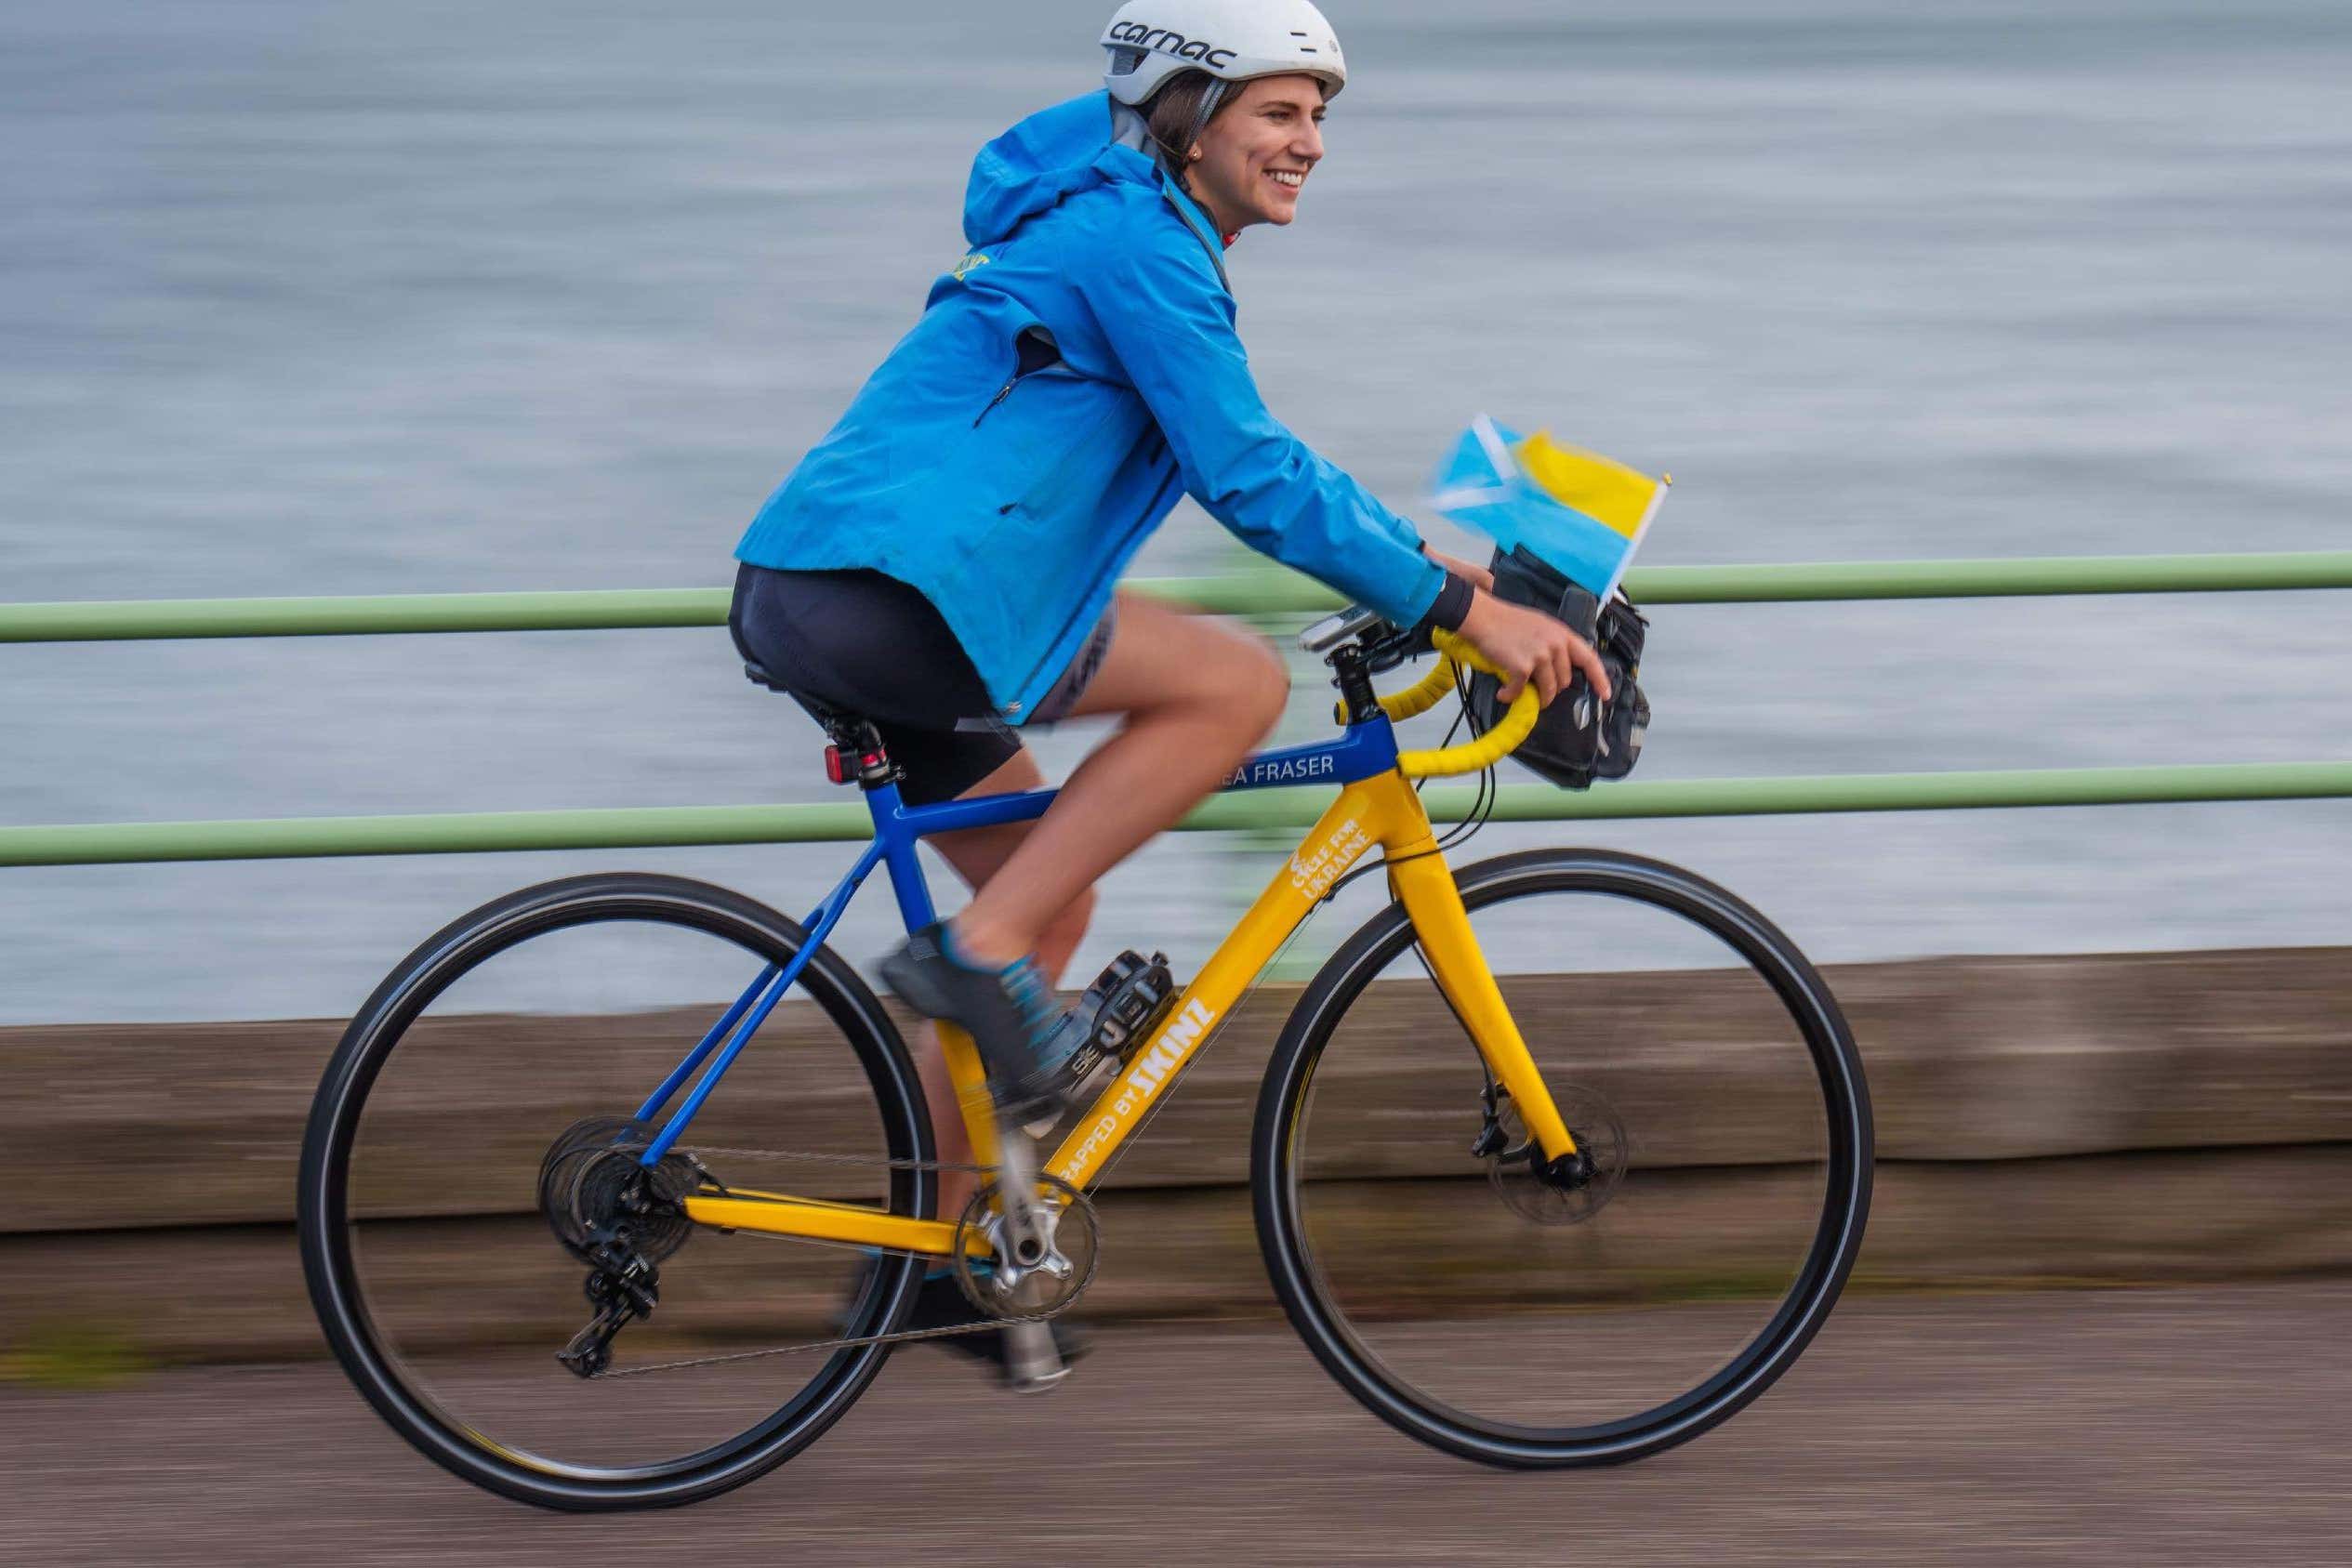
point(1365, 750)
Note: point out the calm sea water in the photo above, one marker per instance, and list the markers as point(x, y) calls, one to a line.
point(310, 297)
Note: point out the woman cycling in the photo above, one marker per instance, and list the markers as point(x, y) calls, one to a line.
point(944, 562)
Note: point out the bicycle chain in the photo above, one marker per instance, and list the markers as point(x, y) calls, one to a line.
point(904, 1336)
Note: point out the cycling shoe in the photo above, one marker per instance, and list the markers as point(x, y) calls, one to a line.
point(1028, 1042)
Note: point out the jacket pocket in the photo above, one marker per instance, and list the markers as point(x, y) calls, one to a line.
point(1087, 464)
point(1035, 353)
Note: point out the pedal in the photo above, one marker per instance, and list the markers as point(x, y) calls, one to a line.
point(1122, 1008)
point(1025, 1248)
point(1033, 1362)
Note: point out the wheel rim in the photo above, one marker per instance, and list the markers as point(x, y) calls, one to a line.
point(1526, 1343)
point(447, 1306)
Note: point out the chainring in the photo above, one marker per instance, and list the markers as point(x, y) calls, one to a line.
point(592, 1189)
point(1600, 1137)
point(1009, 1292)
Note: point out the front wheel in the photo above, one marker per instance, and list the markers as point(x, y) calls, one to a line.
point(1630, 1302)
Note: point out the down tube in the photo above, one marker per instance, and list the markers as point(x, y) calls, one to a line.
point(1356, 822)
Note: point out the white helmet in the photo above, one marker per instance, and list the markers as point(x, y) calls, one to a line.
point(1234, 41)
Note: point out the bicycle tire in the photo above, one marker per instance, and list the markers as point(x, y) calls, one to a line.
point(325, 1233)
point(1836, 1239)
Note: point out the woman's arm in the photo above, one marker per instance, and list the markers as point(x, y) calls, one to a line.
point(1171, 322)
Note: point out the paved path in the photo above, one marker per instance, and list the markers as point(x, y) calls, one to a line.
point(2114, 1427)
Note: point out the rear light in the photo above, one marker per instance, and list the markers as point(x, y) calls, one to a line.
point(836, 767)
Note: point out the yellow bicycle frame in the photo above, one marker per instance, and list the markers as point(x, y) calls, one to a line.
point(1383, 811)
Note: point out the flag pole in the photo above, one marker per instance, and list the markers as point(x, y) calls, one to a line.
point(1625, 562)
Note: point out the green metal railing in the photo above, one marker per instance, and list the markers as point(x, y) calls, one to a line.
point(122, 843)
point(1263, 594)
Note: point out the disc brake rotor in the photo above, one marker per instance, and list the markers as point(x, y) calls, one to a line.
point(1557, 1197)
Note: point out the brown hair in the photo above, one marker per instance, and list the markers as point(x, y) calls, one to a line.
point(1174, 116)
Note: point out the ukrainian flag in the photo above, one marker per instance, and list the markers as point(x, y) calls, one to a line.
point(1578, 511)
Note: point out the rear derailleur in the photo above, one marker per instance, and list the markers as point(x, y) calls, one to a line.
point(622, 1286)
point(621, 1218)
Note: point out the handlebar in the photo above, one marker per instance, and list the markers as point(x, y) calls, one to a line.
point(1388, 648)
point(1472, 757)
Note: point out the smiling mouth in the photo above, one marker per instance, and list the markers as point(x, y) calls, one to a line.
point(1289, 179)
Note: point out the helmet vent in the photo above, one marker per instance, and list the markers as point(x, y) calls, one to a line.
point(1126, 62)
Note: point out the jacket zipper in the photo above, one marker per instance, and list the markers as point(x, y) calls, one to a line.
point(1006, 390)
point(1002, 392)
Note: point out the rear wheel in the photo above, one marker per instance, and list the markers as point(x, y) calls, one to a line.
point(1615, 1305)
point(472, 1146)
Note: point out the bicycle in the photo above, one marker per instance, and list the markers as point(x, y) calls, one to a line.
point(1390, 1180)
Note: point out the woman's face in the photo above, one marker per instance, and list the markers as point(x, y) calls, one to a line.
point(1254, 157)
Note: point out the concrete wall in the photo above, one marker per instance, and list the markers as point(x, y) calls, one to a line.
point(2139, 1118)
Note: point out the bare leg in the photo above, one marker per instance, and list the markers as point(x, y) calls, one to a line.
point(978, 854)
point(1197, 696)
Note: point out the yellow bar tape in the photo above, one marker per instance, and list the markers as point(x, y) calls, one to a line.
point(1478, 755)
point(1434, 688)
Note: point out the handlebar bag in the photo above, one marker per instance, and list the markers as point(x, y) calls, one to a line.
point(1577, 740)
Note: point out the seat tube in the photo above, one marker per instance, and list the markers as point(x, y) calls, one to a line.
point(898, 841)
point(964, 1070)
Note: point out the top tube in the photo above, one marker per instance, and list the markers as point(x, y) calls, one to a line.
point(1364, 751)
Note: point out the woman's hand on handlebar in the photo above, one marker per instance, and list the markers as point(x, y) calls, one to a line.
point(1528, 646)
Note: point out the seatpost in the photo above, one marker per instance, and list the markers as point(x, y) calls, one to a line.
point(860, 747)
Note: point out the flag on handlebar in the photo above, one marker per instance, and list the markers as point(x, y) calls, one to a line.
point(1582, 513)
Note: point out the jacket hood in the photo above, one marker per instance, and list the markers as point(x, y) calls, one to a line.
point(1052, 154)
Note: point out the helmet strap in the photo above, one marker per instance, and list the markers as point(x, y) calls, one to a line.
point(1178, 159)
point(1209, 102)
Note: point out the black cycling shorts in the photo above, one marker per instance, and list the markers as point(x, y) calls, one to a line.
point(868, 644)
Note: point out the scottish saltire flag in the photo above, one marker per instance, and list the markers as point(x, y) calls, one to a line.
point(1583, 513)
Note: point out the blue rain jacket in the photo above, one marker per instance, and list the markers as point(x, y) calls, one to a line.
point(1076, 371)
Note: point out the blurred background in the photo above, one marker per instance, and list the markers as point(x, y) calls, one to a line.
point(321, 298)
point(300, 296)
